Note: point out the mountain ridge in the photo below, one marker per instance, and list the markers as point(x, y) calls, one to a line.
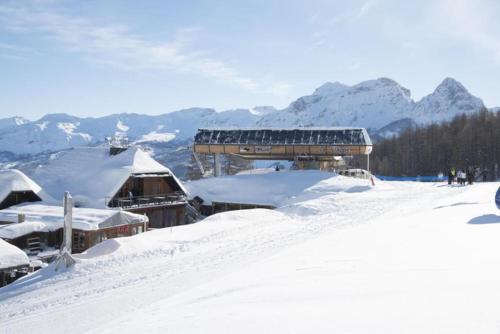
point(379, 105)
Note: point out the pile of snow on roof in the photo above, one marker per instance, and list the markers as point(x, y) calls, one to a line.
point(92, 175)
point(14, 180)
point(262, 186)
point(45, 218)
point(11, 256)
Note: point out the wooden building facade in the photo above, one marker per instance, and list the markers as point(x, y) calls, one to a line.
point(158, 196)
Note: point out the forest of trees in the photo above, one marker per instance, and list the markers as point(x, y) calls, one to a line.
point(468, 141)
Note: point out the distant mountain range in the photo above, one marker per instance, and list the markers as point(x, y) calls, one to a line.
point(382, 106)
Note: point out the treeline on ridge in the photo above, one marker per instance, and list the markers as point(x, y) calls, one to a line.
point(467, 141)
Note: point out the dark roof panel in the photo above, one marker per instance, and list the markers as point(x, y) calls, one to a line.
point(304, 136)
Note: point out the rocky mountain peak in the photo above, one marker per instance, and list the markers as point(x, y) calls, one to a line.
point(449, 99)
point(330, 88)
point(451, 87)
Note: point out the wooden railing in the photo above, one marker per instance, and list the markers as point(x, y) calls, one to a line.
point(147, 200)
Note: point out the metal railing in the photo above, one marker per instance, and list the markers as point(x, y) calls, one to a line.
point(147, 200)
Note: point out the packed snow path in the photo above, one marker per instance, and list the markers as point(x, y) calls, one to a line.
point(342, 256)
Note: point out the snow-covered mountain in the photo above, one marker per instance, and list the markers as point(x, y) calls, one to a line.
point(54, 132)
point(12, 121)
point(374, 104)
point(382, 105)
point(448, 100)
point(371, 104)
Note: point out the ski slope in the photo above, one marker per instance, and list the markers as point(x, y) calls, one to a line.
point(341, 257)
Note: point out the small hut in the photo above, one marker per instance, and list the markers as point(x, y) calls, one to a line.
point(40, 230)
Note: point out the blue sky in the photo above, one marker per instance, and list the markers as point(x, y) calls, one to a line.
point(97, 57)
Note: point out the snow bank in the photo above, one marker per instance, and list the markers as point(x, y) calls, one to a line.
point(165, 242)
point(265, 186)
point(11, 256)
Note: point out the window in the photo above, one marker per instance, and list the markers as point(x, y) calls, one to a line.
point(102, 236)
point(78, 241)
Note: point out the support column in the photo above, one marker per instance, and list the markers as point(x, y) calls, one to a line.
point(368, 162)
point(217, 166)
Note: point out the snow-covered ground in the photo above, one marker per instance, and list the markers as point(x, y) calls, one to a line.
point(341, 257)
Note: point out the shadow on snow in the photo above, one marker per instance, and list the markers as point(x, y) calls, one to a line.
point(485, 219)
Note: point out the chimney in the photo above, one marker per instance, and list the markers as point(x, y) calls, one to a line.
point(21, 218)
point(117, 144)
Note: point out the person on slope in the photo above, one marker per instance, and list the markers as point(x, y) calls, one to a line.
point(461, 177)
point(450, 176)
point(470, 175)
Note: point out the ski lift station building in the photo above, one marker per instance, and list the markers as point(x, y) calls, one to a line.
point(319, 144)
point(284, 144)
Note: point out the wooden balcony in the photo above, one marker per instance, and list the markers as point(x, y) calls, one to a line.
point(132, 202)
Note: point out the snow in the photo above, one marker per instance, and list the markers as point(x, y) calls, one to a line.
point(157, 137)
point(14, 180)
point(262, 110)
point(92, 175)
point(69, 130)
point(12, 122)
point(16, 230)
point(11, 256)
point(342, 256)
point(259, 186)
point(122, 127)
point(41, 217)
point(43, 125)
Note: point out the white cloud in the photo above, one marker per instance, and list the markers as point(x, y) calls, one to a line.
point(365, 8)
point(116, 45)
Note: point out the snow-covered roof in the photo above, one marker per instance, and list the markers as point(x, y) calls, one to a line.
point(44, 218)
point(262, 186)
point(15, 180)
point(11, 256)
point(93, 176)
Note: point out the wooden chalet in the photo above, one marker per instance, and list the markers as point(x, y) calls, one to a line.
point(17, 188)
point(128, 179)
point(38, 229)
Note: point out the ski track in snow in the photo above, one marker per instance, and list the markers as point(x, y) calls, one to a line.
point(104, 288)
